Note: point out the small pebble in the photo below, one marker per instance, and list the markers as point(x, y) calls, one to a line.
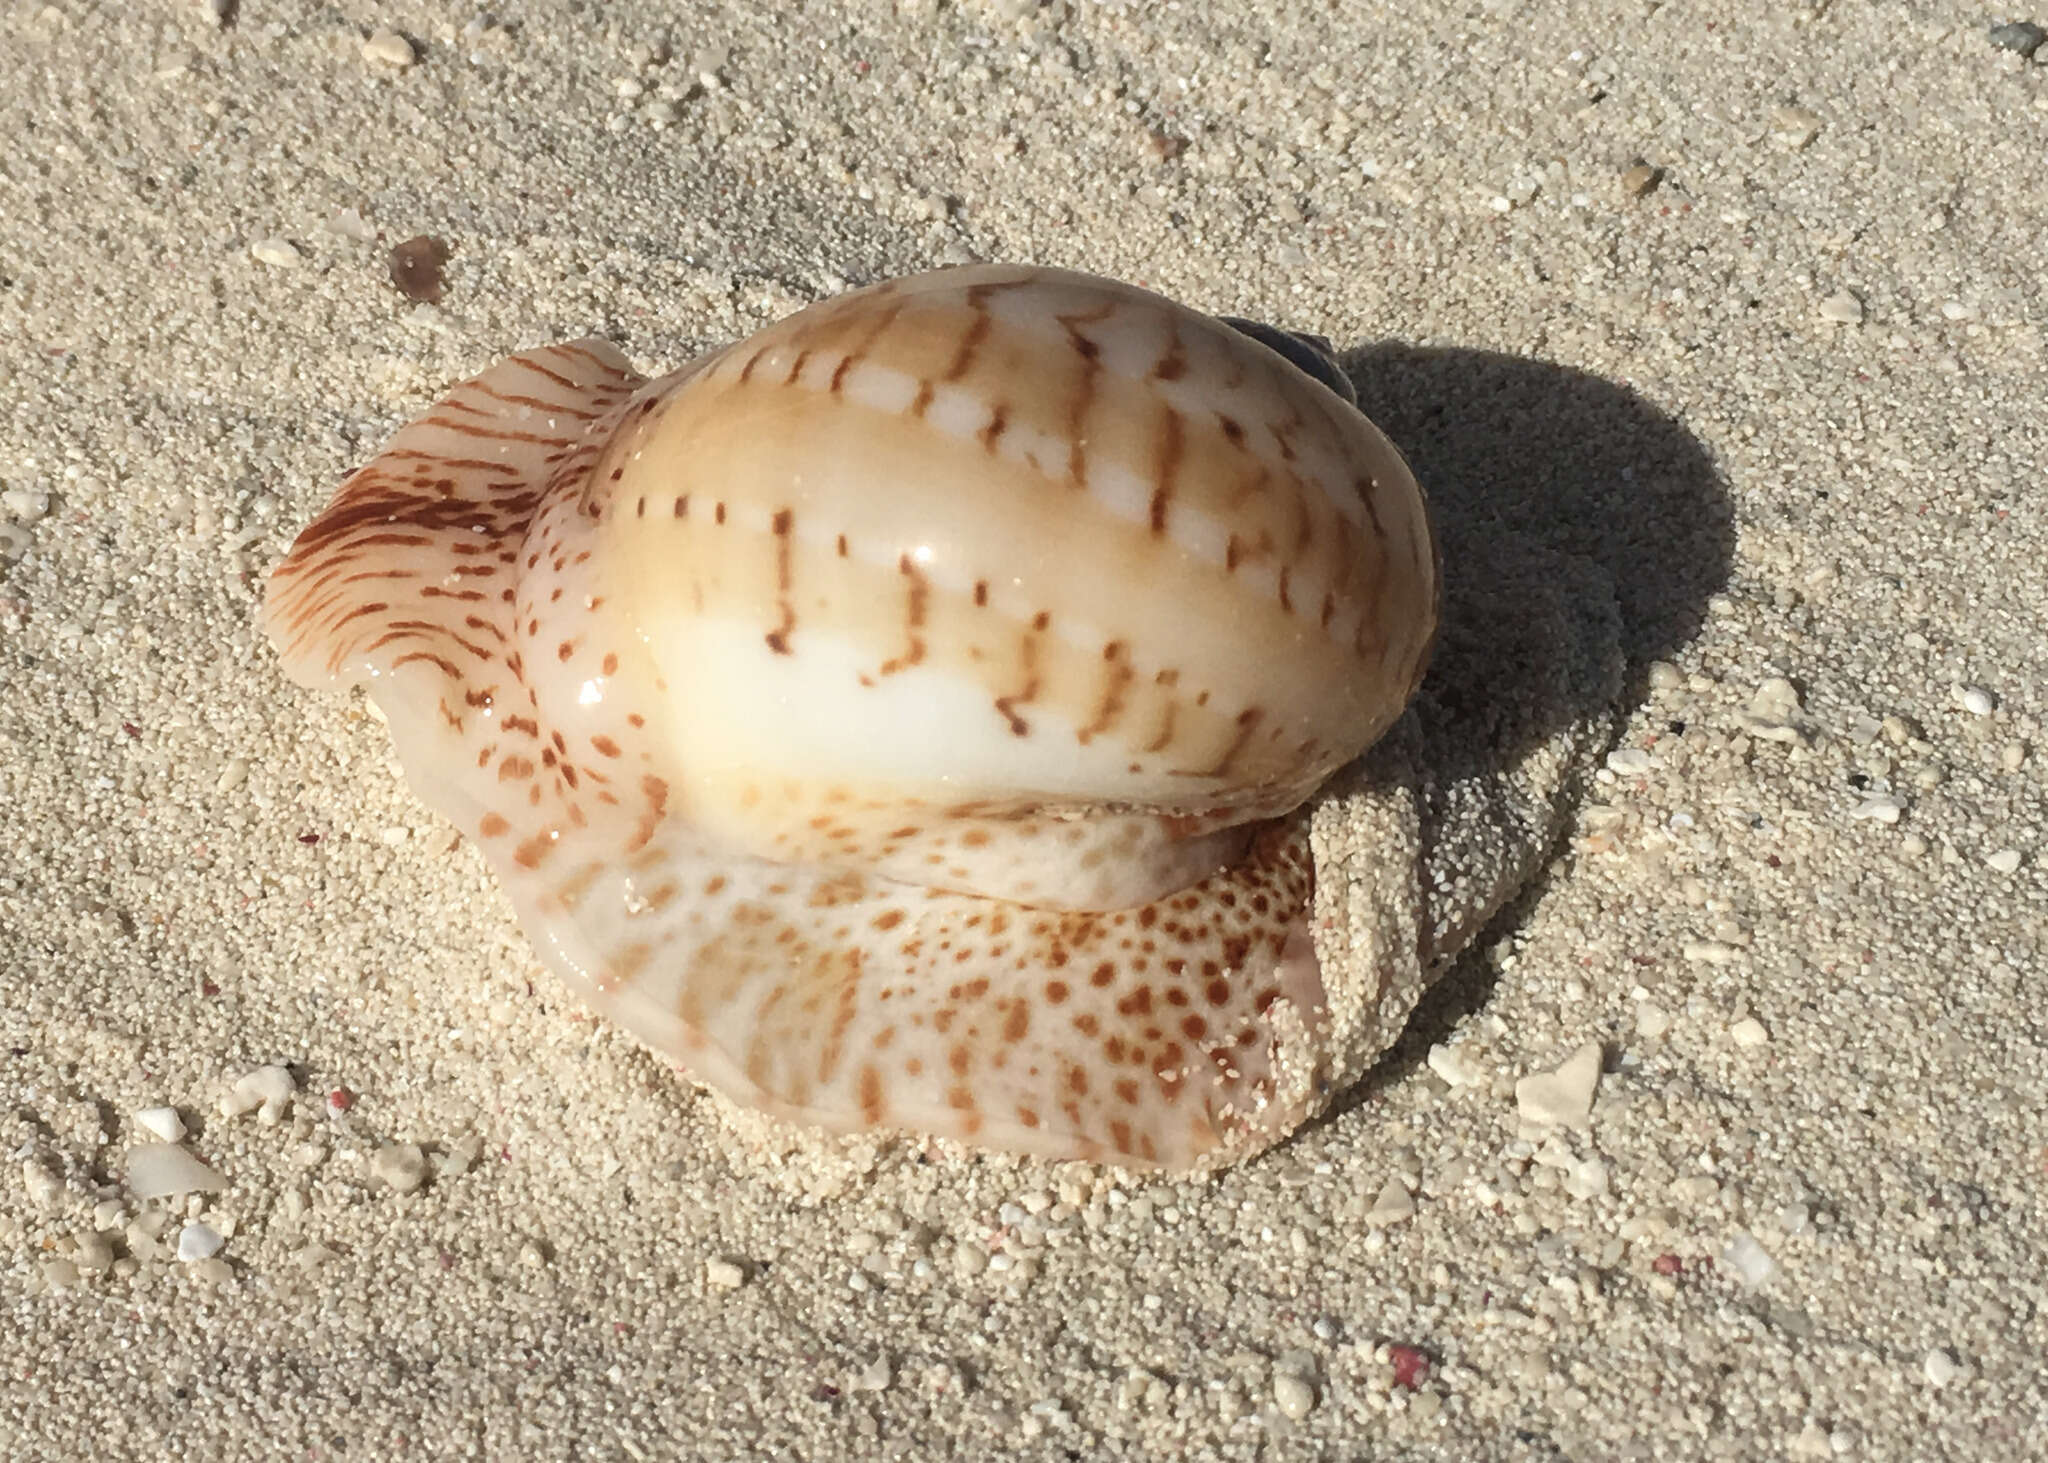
point(1811, 1442)
point(1774, 713)
point(25, 505)
point(1294, 1396)
point(278, 253)
point(142, 1232)
point(2005, 861)
point(2021, 36)
point(1976, 700)
point(1139, 1387)
point(709, 65)
point(267, 1088)
point(42, 1182)
point(1941, 1366)
point(416, 268)
point(1748, 1032)
point(1586, 1180)
point(1710, 952)
point(1563, 1098)
point(1628, 762)
point(1794, 127)
point(59, 1273)
point(198, 1241)
point(162, 1122)
point(1640, 180)
point(387, 48)
point(349, 223)
point(1879, 807)
point(1749, 1260)
point(724, 1275)
point(459, 1157)
point(969, 1260)
point(1695, 1188)
point(164, 1170)
point(1044, 1413)
point(1392, 1206)
point(400, 1165)
point(313, 1256)
point(1410, 1364)
point(1453, 1066)
point(875, 1376)
point(95, 1252)
point(1842, 308)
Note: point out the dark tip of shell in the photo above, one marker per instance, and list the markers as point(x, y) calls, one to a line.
point(1313, 355)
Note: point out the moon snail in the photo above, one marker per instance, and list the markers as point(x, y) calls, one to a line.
point(903, 718)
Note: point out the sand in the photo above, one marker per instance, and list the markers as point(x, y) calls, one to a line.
point(1745, 311)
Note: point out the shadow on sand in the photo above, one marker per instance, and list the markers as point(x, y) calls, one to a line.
point(1536, 468)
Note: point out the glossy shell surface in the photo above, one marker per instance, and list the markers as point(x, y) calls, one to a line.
point(901, 717)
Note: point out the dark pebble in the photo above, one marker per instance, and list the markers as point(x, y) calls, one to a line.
point(2018, 35)
point(416, 268)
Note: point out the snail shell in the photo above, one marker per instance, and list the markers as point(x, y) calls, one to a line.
point(896, 717)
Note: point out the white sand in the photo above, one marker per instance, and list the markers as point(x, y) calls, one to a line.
point(1822, 1031)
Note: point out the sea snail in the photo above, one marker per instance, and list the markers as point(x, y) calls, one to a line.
point(901, 718)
